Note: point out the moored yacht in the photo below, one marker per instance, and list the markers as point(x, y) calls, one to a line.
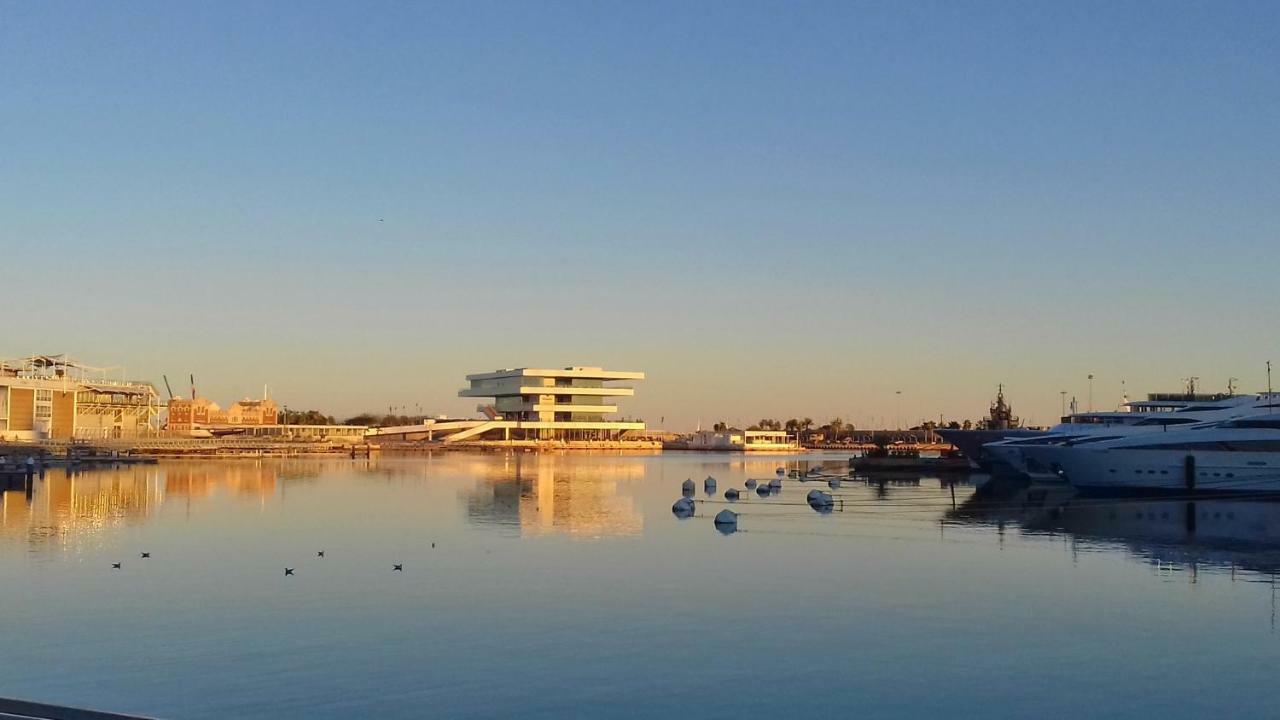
point(1160, 412)
point(1238, 455)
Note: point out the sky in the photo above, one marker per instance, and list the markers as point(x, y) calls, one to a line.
point(778, 209)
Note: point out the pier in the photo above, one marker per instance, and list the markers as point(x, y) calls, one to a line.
point(27, 710)
point(149, 449)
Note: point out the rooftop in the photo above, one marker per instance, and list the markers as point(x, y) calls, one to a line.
point(587, 372)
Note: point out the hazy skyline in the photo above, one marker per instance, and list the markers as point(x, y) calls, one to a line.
point(779, 210)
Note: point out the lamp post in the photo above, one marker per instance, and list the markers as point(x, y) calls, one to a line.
point(897, 408)
point(1090, 392)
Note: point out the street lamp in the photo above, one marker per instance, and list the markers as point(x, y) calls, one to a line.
point(897, 408)
point(1090, 392)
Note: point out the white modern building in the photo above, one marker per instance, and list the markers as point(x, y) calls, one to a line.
point(743, 440)
point(573, 403)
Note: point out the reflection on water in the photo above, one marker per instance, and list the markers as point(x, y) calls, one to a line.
point(539, 493)
point(68, 507)
point(905, 600)
point(529, 494)
point(1191, 533)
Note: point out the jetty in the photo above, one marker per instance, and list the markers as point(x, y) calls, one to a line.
point(28, 710)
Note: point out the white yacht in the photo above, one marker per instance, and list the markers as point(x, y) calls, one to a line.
point(1158, 413)
point(1240, 454)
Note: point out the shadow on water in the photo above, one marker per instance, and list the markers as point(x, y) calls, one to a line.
point(1236, 533)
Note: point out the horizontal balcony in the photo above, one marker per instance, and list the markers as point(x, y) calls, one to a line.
point(566, 407)
point(539, 390)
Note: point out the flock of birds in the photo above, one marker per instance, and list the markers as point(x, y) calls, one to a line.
point(726, 520)
point(395, 567)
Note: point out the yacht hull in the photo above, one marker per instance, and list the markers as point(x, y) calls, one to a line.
point(1179, 470)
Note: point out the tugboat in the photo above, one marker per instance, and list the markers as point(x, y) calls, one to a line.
point(1000, 424)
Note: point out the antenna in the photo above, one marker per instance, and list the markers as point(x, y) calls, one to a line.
point(1268, 377)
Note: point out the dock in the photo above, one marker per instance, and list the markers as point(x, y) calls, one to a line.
point(28, 710)
point(150, 449)
point(909, 462)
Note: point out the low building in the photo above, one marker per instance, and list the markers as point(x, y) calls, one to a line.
point(187, 415)
point(253, 412)
point(52, 397)
point(735, 440)
point(344, 434)
point(202, 414)
point(731, 439)
point(769, 441)
point(570, 404)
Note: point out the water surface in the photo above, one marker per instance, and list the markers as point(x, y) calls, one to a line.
point(562, 585)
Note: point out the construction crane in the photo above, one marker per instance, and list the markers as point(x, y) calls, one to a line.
point(166, 386)
point(193, 386)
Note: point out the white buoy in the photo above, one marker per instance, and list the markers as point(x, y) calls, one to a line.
point(684, 507)
point(687, 486)
point(709, 484)
point(775, 484)
point(751, 484)
point(763, 491)
point(817, 497)
point(731, 494)
point(726, 517)
point(820, 501)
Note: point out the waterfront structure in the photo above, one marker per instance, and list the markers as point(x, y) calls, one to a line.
point(769, 441)
point(202, 414)
point(733, 439)
point(339, 434)
point(52, 397)
point(572, 403)
point(729, 439)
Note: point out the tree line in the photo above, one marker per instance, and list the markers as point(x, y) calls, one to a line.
point(834, 430)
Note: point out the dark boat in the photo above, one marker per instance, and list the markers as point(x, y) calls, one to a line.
point(1000, 424)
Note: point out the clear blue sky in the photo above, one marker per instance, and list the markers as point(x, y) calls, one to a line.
point(773, 208)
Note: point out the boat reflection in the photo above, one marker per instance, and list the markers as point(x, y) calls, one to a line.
point(542, 494)
point(1174, 533)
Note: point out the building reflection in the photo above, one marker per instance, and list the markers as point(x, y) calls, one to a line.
point(1174, 534)
point(537, 494)
point(67, 507)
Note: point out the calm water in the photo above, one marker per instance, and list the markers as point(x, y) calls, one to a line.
point(563, 585)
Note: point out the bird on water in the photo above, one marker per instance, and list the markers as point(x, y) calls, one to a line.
point(319, 553)
point(288, 571)
point(398, 568)
point(115, 566)
point(144, 555)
